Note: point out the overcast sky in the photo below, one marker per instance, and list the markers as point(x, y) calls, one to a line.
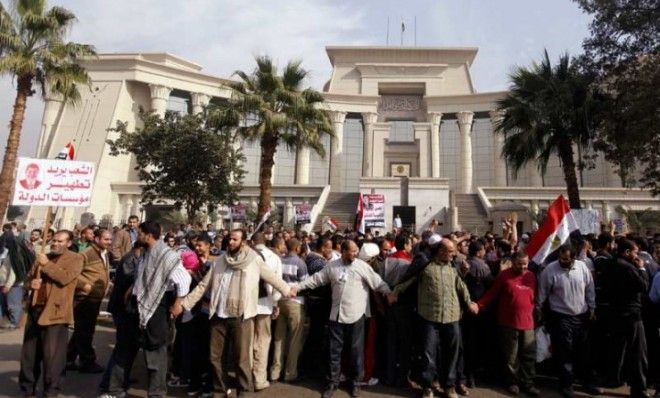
point(224, 35)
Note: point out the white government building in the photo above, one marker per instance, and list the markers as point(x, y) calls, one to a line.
point(397, 112)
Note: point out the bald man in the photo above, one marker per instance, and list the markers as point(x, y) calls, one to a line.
point(350, 279)
point(440, 293)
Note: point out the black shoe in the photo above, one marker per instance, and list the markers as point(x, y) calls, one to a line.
point(93, 368)
point(329, 391)
point(355, 391)
point(639, 394)
point(567, 392)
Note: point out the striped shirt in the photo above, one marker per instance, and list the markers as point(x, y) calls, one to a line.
point(294, 270)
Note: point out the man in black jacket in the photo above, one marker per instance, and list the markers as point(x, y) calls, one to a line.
point(624, 283)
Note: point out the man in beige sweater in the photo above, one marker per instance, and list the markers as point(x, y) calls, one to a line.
point(233, 285)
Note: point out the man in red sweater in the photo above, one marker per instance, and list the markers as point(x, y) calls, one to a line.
point(515, 288)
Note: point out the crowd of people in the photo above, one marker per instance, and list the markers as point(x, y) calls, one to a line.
point(228, 311)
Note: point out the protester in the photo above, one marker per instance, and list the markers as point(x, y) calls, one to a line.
point(350, 278)
point(91, 287)
point(234, 289)
point(52, 281)
point(514, 290)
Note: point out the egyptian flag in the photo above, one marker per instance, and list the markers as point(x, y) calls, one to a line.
point(332, 224)
point(264, 218)
point(555, 231)
point(67, 153)
point(359, 216)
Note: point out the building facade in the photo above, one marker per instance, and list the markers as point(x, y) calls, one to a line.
point(408, 124)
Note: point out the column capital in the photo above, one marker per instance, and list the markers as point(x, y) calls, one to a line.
point(464, 117)
point(199, 99)
point(337, 116)
point(435, 117)
point(160, 91)
point(369, 117)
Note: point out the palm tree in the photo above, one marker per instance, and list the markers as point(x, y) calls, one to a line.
point(276, 109)
point(33, 51)
point(547, 112)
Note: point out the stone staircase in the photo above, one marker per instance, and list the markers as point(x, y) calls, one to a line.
point(471, 214)
point(340, 206)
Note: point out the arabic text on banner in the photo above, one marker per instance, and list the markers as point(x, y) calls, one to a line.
point(303, 213)
point(238, 212)
point(374, 210)
point(52, 182)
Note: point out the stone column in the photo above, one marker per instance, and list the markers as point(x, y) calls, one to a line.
point(302, 166)
point(52, 106)
point(368, 119)
point(535, 179)
point(135, 208)
point(199, 102)
point(126, 208)
point(605, 212)
point(499, 164)
point(534, 207)
point(464, 119)
point(336, 155)
point(159, 97)
point(289, 219)
point(435, 118)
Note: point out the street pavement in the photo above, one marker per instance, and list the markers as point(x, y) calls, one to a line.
point(83, 385)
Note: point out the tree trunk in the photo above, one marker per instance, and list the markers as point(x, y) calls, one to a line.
point(568, 166)
point(23, 91)
point(268, 149)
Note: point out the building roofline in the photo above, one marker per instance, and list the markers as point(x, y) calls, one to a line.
point(469, 52)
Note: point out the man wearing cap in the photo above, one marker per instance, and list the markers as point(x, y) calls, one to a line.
point(350, 279)
point(440, 294)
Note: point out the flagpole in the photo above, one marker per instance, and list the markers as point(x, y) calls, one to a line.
point(387, 40)
point(403, 29)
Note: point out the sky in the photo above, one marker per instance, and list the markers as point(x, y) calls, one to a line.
point(224, 35)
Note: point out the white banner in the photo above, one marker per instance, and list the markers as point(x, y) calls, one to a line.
point(588, 220)
point(374, 210)
point(51, 182)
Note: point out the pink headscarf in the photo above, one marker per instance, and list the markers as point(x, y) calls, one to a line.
point(190, 260)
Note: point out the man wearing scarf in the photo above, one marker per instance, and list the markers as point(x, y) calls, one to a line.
point(233, 284)
point(160, 282)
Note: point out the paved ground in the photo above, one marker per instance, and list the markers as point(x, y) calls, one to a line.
point(79, 385)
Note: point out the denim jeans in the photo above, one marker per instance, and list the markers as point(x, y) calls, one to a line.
point(11, 304)
point(445, 339)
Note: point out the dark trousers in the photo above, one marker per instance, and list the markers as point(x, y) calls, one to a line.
point(239, 333)
point(570, 349)
point(397, 350)
point(47, 345)
point(312, 358)
point(124, 339)
point(519, 351)
point(195, 362)
point(128, 345)
point(628, 349)
point(441, 340)
point(80, 345)
point(353, 333)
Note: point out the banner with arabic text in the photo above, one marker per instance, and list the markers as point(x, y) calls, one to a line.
point(303, 213)
point(374, 210)
point(52, 182)
point(238, 212)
